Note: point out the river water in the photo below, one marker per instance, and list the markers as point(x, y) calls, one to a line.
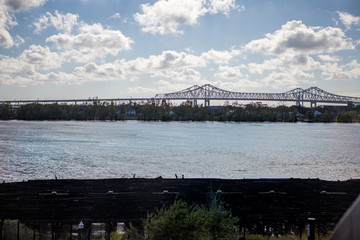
point(83, 150)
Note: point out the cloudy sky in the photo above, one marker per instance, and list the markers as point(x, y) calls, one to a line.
point(56, 49)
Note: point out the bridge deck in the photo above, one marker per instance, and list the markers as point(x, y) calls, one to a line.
point(209, 92)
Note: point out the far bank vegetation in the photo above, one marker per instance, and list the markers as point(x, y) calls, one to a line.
point(186, 111)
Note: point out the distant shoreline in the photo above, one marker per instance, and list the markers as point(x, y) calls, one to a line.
point(253, 112)
point(139, 120)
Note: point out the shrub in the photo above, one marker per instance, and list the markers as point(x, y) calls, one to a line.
point(183, 221)
point(115, 236)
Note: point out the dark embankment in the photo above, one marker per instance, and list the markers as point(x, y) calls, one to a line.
point(281, 203)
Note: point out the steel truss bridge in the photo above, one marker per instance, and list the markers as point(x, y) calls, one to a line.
point(207, 92)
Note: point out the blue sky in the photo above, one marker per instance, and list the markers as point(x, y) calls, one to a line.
point(57, 49)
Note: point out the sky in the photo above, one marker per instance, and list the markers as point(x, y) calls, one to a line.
point(70, 49)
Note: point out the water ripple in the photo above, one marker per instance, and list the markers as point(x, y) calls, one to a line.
point(81, 150)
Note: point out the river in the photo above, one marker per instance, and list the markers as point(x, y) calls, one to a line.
point(84, 150)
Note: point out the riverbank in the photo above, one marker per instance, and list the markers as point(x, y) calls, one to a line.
point(186, 111)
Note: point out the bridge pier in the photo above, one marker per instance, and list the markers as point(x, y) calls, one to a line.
point(312, 104)
point(300, 102)
point(207, 102)
point(195, 102)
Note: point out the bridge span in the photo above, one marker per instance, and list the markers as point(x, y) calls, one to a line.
point(207, 92)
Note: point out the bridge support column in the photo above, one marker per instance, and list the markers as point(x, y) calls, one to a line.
point(195, 102)
point(207, 102)
point(312, 104)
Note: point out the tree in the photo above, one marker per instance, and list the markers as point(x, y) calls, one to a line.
point(33, 111)
point(55, 112)
point(326, 117)
point(183, 221)
point(346, 117)
point(221, 224)
point(309, 115)
point(132, 233)
point(6, 112)
point(179, 221)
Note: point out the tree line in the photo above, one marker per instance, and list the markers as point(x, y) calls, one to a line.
point(186, 111)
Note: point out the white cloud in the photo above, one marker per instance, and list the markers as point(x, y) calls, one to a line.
point(259, 68)
point(290, 79)
point(140, 90)
point(292, 46)
point(219, 57)
point(347, 19)
point(24, 70)
point(41, 58)
point(18, 41)
point(20, 5)
point(295, 37)
point(334, 71)
point(18, 79)
point(34, 58)
point(173, 65)
point(91, 28)
point(167, 60)
point(116, 15)
point(167, 16)
point(167, 86)
point(227, 72)
point(238, 85)
point(286, 70)
point(8, 20)
point(62, 22)
point(284, 63)
point(21, 73)
point(177, 66)
point(105, 72)
point(92, 42)
point(17, 72)
point(189, 75)
point(328, 58)
point(224, 6)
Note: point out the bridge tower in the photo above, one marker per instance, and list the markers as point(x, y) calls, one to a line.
point(312, 104)
point(207, 102)
point(207, 89)
point(298, 101)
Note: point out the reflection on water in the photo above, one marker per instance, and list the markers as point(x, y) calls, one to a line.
point(41, 150)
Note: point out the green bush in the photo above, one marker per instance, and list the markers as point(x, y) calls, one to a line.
point(132, 234)
point(115, 236)
point(183, 221)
